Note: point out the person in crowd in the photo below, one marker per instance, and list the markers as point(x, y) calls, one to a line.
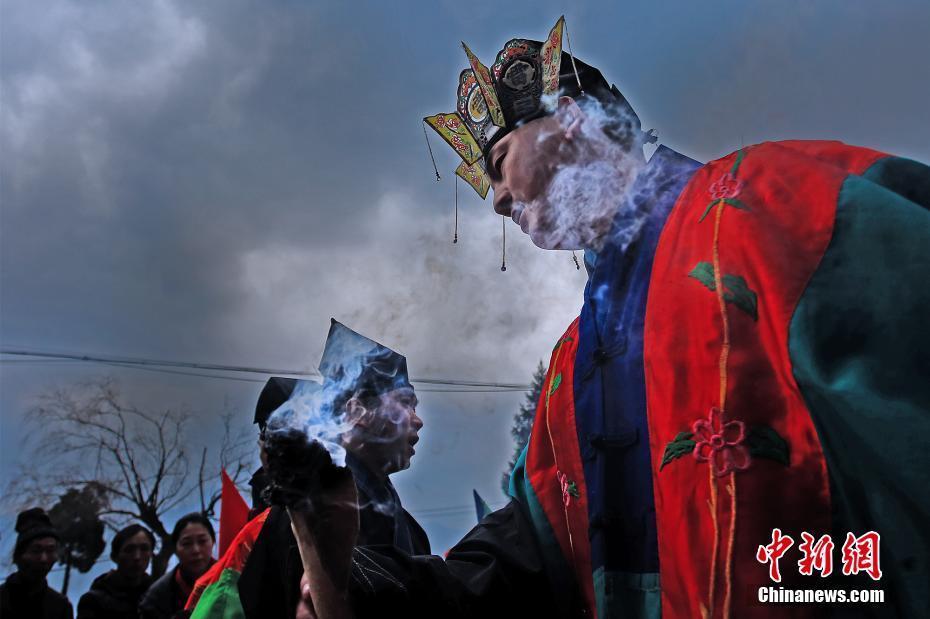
point(193, 539)
point(116, 594)
point(26, 592)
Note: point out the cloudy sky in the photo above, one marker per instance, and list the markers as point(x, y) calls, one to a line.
point(212, 181)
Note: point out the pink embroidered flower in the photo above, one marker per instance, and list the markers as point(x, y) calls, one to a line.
point(569, 488)
point(720, 443)
point(727, 186)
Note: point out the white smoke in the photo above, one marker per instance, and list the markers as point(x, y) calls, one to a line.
point(312, 407)
point(310, 410)
point(588, 189)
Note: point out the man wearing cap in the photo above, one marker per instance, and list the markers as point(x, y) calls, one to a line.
point(25, 593)
point(747, 359)
point(365, 409)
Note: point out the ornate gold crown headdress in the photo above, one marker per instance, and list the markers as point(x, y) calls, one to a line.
point(520, 86)
point(491, 102)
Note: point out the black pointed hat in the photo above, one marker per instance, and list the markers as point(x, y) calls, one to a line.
point(352, 362)
point(276, 392)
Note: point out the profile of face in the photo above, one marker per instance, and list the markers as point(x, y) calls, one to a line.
point(560, 177)
point(194, 550)
point(37, 559)
point(133, 557)
point(385, 430)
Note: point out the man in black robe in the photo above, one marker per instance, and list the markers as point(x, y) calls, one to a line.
point(366, 387)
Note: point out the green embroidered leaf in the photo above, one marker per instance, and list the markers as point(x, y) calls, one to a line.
point(729, 201)
point(564, 340)
point(712, 204)
point(736, 292)
point(739, 294)
point(736, 204)
point(682, 445)
point(764, 442)
point(739, 159)
point(704, 273)
point(555, 383)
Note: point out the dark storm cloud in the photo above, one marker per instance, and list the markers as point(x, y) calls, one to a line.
point(147, 147)
point(150, 151)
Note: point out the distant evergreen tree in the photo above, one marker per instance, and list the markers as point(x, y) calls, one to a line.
point(523, 421)
point(77, 518)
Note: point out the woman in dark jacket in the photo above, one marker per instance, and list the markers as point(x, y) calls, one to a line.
point(116, 594)
point(26, 593)
point(193, 538)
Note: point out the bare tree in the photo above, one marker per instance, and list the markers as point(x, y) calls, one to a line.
point(87, 434)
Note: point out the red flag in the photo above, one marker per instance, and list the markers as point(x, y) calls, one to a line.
point(234, 513)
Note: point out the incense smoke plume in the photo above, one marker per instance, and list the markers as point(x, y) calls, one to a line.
point(316, 409)
point(309, 411)
point(307, 436)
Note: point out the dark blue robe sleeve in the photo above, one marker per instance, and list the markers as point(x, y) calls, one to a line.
point(496, 570)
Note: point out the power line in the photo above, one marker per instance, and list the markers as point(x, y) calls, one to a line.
point(450, 510)
point(162, 364)
point(446, 514)
point(183, 372)
point(154, 362)
point(261, 380)
point(18, 361)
